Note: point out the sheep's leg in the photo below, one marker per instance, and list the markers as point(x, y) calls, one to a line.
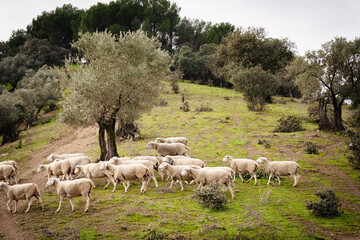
point(41, 202)
point(107, 184)
point(8, 204)
point(241, 177)
point(231, 190)
point(270, 175)
point(115, 184)
point(182, 187)
point(29, 204)
point(255, 178)
point(61, 199)
point(123, 182)
point(154, 179)
point(72, 204)
point(16, 202)
point(171, 184)
point(191, 182)
point(296, 180)
point(278, 179)
point(252, 176)
point(87, 203)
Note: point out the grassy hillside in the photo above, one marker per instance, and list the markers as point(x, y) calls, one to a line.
point(257, 212)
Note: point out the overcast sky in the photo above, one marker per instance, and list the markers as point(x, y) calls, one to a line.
point(307, 23)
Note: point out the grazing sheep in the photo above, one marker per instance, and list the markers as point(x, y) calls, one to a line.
point(12, 163)
point(8, 172)
point(280, 168)
point(72, 188)
point(147, 163)
point(182, 140)
point(56, 168)
point(164, 149)
point(92, 170)
point(183, 161)
point(21, 192)
point(54, 156)
point(128, 172)
point(75, 161)
point(241, 165)
point(175, 173)
point(208, 175)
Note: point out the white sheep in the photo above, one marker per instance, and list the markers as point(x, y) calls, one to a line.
point(154, 160)
point(75, 161)
point(176, 160)
point(56, 168)
point(21, 192)
point(147, 163)
point(182, 140)
point(8, 172)
point(54, 156)
point(12, 163)
point(164, 149)
point(92, 170)
point(72, 188)
point(280, 168)
point(124, 173)
point(175, 173)
point(208, 175)
point(240, 165)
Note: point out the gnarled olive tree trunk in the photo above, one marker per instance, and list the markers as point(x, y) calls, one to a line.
point(107, 140)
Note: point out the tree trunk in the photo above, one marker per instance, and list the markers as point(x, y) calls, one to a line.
point(338, 122)
point(102, 142)
point(111, 140)
point(127, 130)
point(324, 122)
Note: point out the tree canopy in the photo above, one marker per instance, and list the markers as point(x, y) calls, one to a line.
point(121, 81)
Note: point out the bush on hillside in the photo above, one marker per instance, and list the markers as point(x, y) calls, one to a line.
point(288, 124)
point(354, 147)
point(211, 196)
point(264, 142)
point(311, 148)
point(328, 206)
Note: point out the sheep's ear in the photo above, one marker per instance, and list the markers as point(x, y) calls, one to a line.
point(171, 161)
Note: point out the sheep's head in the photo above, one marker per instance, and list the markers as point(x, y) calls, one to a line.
point(150, 145)
point(261, 160)
point(186, 170)
point(104, 166)
point(227, 158)
point(113, 160)
point(2, 184)
point(50, 158)
point(158, 140)
point(40, 168)
point(50, 182)
point(163, 166)
point(77, 169)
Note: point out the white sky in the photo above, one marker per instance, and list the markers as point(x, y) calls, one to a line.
point(308, 23)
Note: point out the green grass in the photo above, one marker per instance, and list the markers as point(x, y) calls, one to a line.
point(257, 212)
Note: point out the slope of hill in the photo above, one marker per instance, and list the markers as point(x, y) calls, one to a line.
point(257, 212)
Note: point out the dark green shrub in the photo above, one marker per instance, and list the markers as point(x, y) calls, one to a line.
point(311, 148)
point(354, 147)
point(264, 142)
point(19, 145)
point(154, 234)
point(185, 107)
point(354, 120)
point(211, 196)
point(328, 206)
point(313, 114)
point(290, 123)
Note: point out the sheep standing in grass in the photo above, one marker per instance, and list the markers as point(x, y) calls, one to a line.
point(8, 172)
point(75, 161)
point(18, 192)
point(164, 149)
point(54, 156)
point(175, 173)
point(280, 168)
point(175, 160)
point(124, 173)
point(92, 170)
point(208, 175)
point(241, 165)
point(182, 140)
point(147, 163)
point(56, 169)
point(72, 188)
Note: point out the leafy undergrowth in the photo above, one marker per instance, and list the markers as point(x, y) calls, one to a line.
point(257, 212)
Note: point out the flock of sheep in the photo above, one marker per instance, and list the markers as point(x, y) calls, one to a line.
point(172, 161)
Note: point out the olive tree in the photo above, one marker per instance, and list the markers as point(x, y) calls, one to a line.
point(120, 81)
